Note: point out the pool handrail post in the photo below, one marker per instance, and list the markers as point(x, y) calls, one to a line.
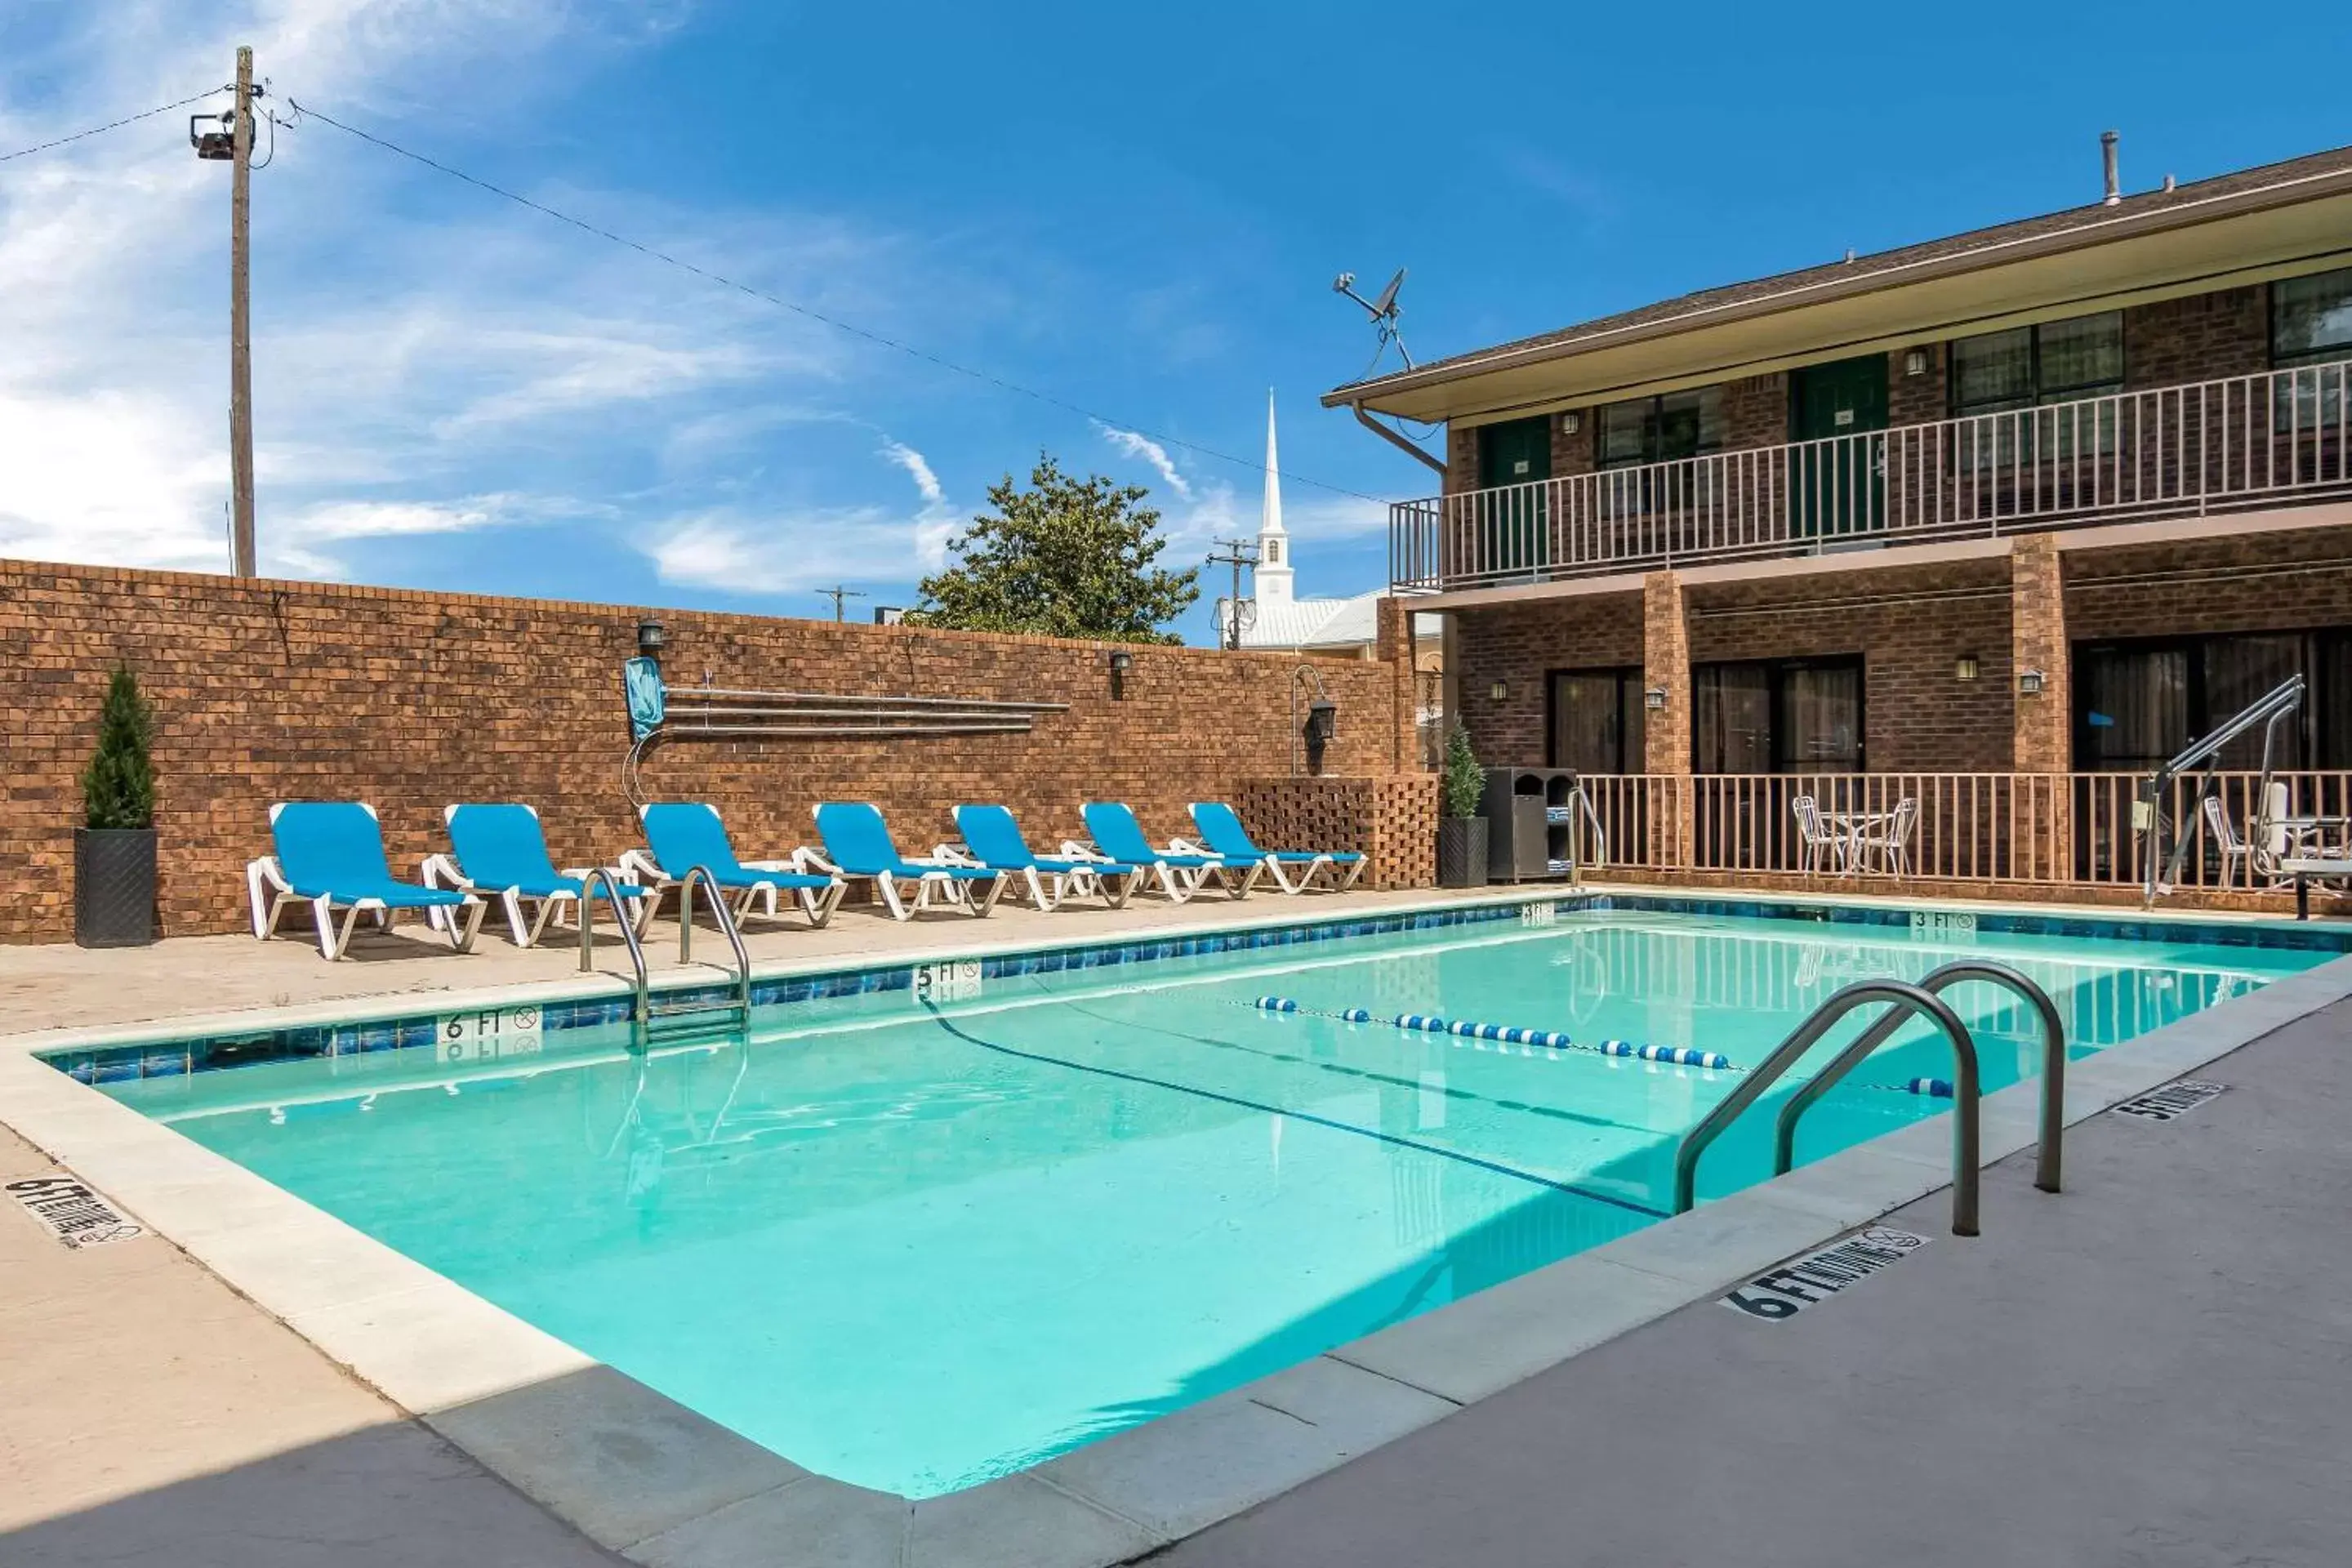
point(1910, 1000)
point(2048, 1158)
point(726, 918)
point(641, 1007)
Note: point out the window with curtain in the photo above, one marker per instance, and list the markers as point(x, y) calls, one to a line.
point(2137, 704)
point(1778, 716)
point(1660, 430)
point(2056, 361)
point(2311, 319)
point(1598, 723)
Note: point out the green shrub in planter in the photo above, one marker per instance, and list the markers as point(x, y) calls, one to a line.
point(114, 849)
point(1460, 831)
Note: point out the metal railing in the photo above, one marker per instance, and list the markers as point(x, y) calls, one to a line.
point(2079, 829)
point(1906, 1000)
point(2246, 441)
point(641, 1011)
point(726, 918)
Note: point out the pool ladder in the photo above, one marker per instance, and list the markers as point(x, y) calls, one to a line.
point(641, 1004)
point(1905, 1002)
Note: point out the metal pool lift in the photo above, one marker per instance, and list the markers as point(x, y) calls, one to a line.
point(2204, 755)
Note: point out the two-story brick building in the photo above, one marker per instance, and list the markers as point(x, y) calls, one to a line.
point(2029, 504)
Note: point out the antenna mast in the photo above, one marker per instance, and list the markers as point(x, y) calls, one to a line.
point(838, 597)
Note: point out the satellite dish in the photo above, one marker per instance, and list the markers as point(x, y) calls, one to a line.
point(1384, 312)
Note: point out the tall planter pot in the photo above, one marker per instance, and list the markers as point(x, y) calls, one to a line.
point(1461, 852)
point(114, 887)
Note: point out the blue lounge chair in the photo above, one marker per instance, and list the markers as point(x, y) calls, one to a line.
point(1221, 833)
point(329, 855)
point(857, 844)
point(681, 834)
point(1118, 837)
point(501, 851)
point(992, 838)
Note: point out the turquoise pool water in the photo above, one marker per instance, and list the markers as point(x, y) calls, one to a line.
point(916, 1243)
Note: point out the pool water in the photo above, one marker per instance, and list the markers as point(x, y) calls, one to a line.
point(916, 1244)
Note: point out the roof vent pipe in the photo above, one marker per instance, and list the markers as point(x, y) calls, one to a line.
point(2108, 140)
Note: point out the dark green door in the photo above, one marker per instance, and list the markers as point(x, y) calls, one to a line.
point(1510, 529)
point(1838, 484)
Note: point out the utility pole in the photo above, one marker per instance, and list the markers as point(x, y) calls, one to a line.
point(1238, 554)
point(240, 323)
point(838, 595)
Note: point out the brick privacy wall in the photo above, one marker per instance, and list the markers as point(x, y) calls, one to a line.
point(2304, 582)
point(1391, 819)
point(1519, 644)
point(1910, 625)
point(268, 691)
point(2202, 337)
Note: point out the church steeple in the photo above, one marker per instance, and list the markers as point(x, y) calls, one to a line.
point(1273, 573)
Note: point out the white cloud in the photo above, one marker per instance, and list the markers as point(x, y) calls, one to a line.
point(1134, 444)
point(917, 467)
point(743, 551)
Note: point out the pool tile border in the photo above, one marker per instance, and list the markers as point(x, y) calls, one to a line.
point(1106, 1504)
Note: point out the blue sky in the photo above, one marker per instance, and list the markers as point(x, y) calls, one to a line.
point(1138, 210)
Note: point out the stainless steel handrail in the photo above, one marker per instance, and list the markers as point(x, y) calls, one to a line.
point(1912, 999)
point(643, 1009)
point(726, 923)
point(1600, 833)
point(2047, 1161)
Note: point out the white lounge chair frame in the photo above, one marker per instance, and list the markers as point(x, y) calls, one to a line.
point(1050, 889)
point(268, 894)
point(1290, 875)
point(951, 891)
point(1177, 883)
point(443, 870)
point(639, 866)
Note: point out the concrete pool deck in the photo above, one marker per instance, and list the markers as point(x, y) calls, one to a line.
point(640, 1475)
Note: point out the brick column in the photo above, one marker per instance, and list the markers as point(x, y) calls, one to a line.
point(1667, 732)
point(1394, 646)
point(2042, 728)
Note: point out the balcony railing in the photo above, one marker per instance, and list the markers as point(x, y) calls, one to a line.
point(2172, 451)
point(2055, 829)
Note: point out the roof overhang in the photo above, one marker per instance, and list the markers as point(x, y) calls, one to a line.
point(2295, 226)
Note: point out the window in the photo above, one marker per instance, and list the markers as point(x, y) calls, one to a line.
point(2136, 703)
point(1597, 722)
point(2057, 362)
point(1274, 553)
point(1783, 716)
point(1660, 430)
point(2311, 319)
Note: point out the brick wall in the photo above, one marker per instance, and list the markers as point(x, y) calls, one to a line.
point(2203, 337)
point(1917, 399)
point(1518, 645)
point(1756, 410)
point(1461, 459)
point(269, 692)
point(2255, 582)
point(1909, 626)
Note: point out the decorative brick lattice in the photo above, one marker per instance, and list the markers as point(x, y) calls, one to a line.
point(1392, 817)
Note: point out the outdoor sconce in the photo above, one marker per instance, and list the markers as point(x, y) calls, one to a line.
point(1654, 698)
point(1914, 362)
point(1965, 668)
point(1499, 690)
point(1121, 662)
point(1571, 422)
point(1322, 716)
point(651, 639)
point(2029, 683)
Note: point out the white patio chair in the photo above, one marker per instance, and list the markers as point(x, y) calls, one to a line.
point(1824, 849)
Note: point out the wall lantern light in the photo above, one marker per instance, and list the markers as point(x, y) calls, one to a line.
point(1499, 690)
point(2029, 683)
point(1571, 422)
point(651, 639)
point(1914, 362)
point(1122, 661)
point(1654, 698)
point(1965, 668)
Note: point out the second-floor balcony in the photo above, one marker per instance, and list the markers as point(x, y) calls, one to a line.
point(2249, 442)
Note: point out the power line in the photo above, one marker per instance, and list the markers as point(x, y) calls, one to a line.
point(301, 111)
point(114, 124)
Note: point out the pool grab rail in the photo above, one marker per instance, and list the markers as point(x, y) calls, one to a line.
point(641, 1006)
point(2047, 1160)
point(1909, 1000)
point(726, 919)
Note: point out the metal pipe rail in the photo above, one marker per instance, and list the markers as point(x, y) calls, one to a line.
point(726, 923)
point(2163, 871)
point(641, 1011)
point(1911, 999)
point(683, 693)
point(2047, 1160)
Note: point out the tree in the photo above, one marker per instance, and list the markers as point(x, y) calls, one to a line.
point(118, 788)
point(1067, 557)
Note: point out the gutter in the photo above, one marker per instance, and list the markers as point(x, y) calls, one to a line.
point(2097, 231)
point(1394, 437)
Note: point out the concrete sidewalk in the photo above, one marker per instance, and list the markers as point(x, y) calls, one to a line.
point(153, 1416)
point(2149, 1370)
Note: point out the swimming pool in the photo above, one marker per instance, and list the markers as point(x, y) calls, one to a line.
point(937, 1226)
